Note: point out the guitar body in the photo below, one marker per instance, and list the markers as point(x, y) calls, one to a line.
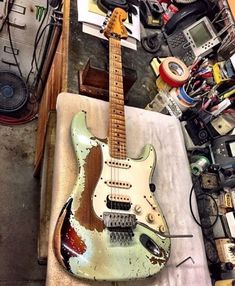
point(97, 236)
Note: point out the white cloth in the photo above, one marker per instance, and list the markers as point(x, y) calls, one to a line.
point(171, 176)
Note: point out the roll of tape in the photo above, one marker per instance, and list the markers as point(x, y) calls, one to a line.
point(200, 165)
point(183, 94)
point(174, 72)
point(174, 93)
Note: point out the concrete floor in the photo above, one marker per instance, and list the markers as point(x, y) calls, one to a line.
point(19, 211)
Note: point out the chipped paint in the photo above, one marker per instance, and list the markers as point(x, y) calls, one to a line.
point(87, 243)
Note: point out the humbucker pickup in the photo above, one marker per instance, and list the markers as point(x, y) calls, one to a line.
point(119, 220)
point(118, 202)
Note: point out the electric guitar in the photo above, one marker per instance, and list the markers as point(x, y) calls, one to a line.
point(111, 227)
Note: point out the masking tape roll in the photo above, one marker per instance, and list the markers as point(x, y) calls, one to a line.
point(174, 72)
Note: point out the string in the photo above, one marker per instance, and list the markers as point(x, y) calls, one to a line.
point(110, 113)
point(117, 139)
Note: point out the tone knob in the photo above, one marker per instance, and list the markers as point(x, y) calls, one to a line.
point(162, 228)
point(150, 218)
point(138, 209)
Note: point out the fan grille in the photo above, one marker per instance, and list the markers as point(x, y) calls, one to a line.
point(13, 92)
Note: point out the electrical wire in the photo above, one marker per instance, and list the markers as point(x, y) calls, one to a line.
point(9, 34)
point(31, 115)
point(7, 16)
point(36, 43)
point(36, 61)
point(198, 196)
point(13, 50)
point(31, 106)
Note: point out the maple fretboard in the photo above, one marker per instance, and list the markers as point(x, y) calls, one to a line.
point(117, 128)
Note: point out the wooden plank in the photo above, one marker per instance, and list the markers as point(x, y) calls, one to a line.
point(46, 188)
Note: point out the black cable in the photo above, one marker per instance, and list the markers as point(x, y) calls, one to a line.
point(11, 44)
point(9, 34)
point(36, 45)
point(8, 13)
point(198, 196)
point(35, 41)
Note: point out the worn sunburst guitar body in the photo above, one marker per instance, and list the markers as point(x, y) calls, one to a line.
point(111, 228)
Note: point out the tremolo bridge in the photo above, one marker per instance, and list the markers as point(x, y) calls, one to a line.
point(120, 226)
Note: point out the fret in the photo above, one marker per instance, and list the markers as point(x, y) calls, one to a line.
point(116, 136)
point(115, 100)
point(117, 129)
point(117, 58)
point(121, 140)
point(116, 51)
point(116, 116)
point(116, 90)
point(118, 121)
point(116, 71)
point(116, 77)
point(117, 65)
point(116, 108)
point(116, 83)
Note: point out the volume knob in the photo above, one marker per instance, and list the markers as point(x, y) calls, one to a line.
point(150, 218)
point(138, 209)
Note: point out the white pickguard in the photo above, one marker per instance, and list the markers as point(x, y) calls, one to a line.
point(138, 176)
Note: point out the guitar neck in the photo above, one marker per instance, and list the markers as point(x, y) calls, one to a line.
point(117, 128)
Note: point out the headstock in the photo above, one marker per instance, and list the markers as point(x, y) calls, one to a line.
point(115, 27)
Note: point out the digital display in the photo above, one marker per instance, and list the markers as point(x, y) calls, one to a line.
point(232, 148)
point(200, 34)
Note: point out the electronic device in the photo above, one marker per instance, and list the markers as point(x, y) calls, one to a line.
point(223, 149)
point(196, 40)
point(186, 16)
point(13, 92)
point(150, 13)
point(197, 131)
point(225, 248)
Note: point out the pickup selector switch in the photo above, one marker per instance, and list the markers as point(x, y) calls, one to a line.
point(138, 209)
point(152, 188)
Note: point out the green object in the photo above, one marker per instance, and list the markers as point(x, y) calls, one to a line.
point(40, 10)
point(199, 165)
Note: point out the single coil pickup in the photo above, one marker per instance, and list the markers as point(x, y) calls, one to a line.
point(117, 164)
point(118, 204)
point(119, 198)
point(117, 184)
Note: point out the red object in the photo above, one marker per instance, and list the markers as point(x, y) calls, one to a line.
point(164, 1)
point(171, 10)
point(165, 77)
